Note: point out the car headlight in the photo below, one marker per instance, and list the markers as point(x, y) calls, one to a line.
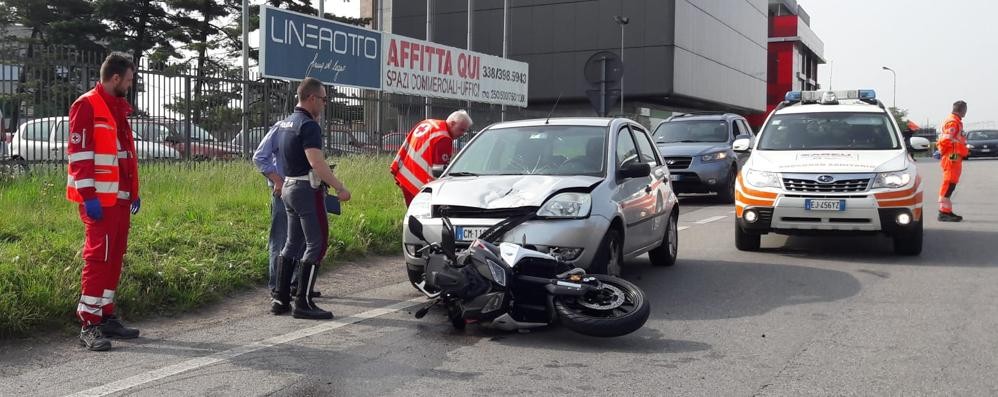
point(969, 146)
point(419, 208)
point(714, 156)
point(762, 179)
point(567, 205)
point(893, 180)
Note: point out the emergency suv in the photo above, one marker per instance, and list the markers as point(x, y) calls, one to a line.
point(830, 162)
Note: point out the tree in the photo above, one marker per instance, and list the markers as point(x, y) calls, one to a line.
point(900, 116)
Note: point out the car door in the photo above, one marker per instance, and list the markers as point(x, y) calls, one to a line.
point(32, 142)
point(656, 188)
point(630, 193)
point(58, 140)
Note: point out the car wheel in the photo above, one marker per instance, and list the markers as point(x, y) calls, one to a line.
point(610, 255)
point(909, 243)
point(665, 254)
point(727, 195)
point(746, 241)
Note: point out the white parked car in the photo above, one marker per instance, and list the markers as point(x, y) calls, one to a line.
point(830, 163)
point(44, 140)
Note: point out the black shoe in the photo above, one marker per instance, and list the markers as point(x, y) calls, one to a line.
point(281, 303)
point(304, 307)
point(113, 328)
point(93, 339)
point(949, 217)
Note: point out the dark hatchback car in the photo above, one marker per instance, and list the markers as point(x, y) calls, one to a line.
point(697, 150)
point(982, 143)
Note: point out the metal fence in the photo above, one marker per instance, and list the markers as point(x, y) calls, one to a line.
point(182, 114)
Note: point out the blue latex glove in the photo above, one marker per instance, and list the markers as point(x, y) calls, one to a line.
point(93, 208)
point(936, 155)
point(136, 205)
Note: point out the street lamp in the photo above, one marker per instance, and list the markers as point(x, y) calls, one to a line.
point(895, 86)
point(621, 21)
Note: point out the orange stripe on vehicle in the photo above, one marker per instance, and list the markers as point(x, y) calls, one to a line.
point(739, 209)
point(753, 192)
point(901, 193)
point(918, 213)
point(917, 199)
point(741, 198)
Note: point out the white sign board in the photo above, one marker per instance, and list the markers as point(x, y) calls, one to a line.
point(417, 67)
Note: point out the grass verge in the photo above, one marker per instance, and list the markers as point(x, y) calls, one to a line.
point(202, 233)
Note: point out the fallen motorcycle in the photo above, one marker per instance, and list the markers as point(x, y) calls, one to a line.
point(510, 287)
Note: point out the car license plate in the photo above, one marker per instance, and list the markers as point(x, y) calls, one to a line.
point(675, 177)
point(468, 233)
point(985, 150)
point(824, 205)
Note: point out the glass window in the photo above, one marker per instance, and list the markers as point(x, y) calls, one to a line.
point(37, 130)
point(627, 152)
point(535, 150)
point(746, 127)
point(829, 131)
point(645, 147)
point(692, 131)
point(982, 135)
point(62, 132)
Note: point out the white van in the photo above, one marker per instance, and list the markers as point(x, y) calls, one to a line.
point(830, 162)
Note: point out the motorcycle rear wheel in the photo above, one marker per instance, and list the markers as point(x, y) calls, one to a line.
point(619, 309)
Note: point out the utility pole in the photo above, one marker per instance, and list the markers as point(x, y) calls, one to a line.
point(505, 47)
point(429, 37)
point(245, 54)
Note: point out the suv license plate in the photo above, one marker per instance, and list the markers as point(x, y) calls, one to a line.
point(824, 205)
point(468, 233)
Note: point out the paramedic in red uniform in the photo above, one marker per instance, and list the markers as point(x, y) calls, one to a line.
point(952, 145)
point(104, 181)
point(431, 142)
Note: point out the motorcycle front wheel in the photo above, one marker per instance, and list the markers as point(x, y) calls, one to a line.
point(617, 308)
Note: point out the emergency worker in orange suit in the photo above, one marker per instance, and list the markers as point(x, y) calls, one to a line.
point(104, 181)
point(952, 144)
point(431, 142)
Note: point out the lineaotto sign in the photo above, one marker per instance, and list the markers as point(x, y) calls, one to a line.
point(294, 46)
point(418, 67)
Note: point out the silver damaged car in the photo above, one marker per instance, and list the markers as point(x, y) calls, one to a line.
point(593, 192)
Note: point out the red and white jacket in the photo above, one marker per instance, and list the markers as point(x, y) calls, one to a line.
point(101, 151)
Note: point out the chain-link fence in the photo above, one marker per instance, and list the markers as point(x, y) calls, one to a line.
point(182, 114)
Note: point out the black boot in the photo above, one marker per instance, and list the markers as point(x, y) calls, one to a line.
point(113, 328)
point(281, 303)
point(93, 339)
point(949, 217)
point(304, 307)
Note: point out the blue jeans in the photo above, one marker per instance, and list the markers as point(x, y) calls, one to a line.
point(278, 236)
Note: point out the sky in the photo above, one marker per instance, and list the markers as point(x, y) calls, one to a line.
point(942, 51)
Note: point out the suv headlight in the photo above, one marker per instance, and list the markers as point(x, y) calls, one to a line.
point(714, 156)
point(969, 146)
point(419, 208)
point(893, 180)
point(762, 179)
point(567, 205)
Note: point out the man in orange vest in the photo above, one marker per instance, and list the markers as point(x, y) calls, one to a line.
point(429, 143)
point(104, 181)
point(953, 150)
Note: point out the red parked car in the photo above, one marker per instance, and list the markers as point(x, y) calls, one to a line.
point(203, 145)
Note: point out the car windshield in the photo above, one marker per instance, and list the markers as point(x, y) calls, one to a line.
point(982, 135)
point(829, 131)
point(535, 150)
point(198, 134)
point(692, 131)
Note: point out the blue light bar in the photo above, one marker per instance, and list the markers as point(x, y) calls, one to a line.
point(867, 94)
point(792, 96)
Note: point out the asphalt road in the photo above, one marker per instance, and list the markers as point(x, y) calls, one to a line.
point(805, 316)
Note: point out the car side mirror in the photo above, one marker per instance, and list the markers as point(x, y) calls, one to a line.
point(437, 169)
point(416, 228)
point(918, 143)
point(742, 145)
point(637, 170)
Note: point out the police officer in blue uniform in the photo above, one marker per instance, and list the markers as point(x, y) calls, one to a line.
point(307, 179)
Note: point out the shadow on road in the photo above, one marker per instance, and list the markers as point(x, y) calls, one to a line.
point(709, 290)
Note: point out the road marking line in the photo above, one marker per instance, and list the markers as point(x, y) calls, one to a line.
point(711, 219)
point(200, 362)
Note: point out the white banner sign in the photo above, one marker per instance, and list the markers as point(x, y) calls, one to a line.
point(417, 67)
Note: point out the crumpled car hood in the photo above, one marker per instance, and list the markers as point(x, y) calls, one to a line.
point(504, 191)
